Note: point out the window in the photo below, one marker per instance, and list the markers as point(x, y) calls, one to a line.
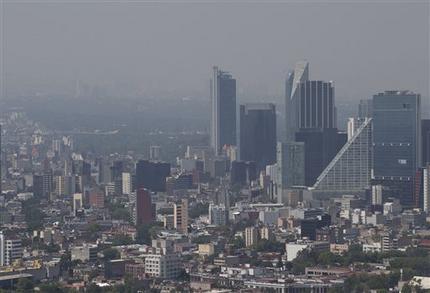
point(402, 161)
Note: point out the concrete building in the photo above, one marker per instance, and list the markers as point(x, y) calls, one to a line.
point(78, 202)
point(84, 253)
point(126, 183)
point(10, 250)
point(180, 216)
point(165, 266)
point(217, 215)
point(251, 236)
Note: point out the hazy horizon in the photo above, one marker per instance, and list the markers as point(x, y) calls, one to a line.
point(168, 49)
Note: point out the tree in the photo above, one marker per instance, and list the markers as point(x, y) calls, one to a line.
point(147, 232)
point(238, 242)
point(93, 288)
point(110, 253)
point(24, 285)
point(51, 288)
point(122, 239)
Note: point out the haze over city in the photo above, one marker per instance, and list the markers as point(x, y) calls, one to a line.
point(214, 146)
point(165, 49)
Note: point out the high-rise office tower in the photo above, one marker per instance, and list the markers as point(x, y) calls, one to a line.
point(180, 216)
point(258, 134)
point(365, 108)
point(223, 108)
point(425, 130)
point(309, 103)
point(152, 175)
point(144, 208)
point(155, 153)
point(397, 140)
point(116, 170)
point(316, 105)
point(43, 185)
point(290, 164)
point(292, 84)
point(311, 119)
point(104, 170)
point(321, 146)
point(350, 169)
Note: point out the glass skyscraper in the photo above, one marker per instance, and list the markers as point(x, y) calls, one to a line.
point(397, 143)
point(258, 134)
point(396, 135)
point(223, 110)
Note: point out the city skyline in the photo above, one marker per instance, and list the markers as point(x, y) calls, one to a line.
point(64, 62)
point(214, 146)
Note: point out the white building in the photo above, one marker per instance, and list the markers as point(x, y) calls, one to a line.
point(377, 194)
point(426, 189)
point(374, 247)
point(126, 183)
point(293, 249)
point(10, 250)
point(392, 208)
point(166, 266)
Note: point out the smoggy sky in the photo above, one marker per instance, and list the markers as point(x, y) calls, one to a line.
point(168, 48)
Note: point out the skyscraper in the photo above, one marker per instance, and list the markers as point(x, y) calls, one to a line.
point(396, 134)
point(144, 209)
point(152, 175)
point(397, 140)
point(295, 78)
point(425, 130)
point(311, 119)
point(223, 100)
point(290, 162)
point(350, 169)
point(321, 145)
point(316, 105)
point(365, 108)
point(258, 134)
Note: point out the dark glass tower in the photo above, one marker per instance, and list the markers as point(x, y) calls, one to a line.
point(397, 141)
point(152, 175)
point(223, 110)
point(258, 134)
point(396, 135)
point(316, 108)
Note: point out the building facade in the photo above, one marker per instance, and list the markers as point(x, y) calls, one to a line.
point(258, 134)
point(223, 110)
